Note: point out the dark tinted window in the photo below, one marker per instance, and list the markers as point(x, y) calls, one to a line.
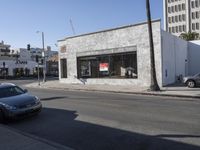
point(120, 65)
point(10, 91)
point(63, 65)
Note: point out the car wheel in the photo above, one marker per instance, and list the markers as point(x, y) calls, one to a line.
point(191, 84)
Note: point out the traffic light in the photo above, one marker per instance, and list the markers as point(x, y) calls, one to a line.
point(28, 47)
point(42, 61)
point(36, 58)
point(4, 64)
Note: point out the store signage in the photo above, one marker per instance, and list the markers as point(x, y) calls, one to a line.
point(103, 66)
point(21, 62)
point(63, 49)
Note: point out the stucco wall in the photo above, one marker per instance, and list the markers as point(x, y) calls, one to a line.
point(174, 58)
point(129, 36)
point(194, 57)
point(11, 64)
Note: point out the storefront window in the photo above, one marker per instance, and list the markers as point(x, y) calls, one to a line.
point(122, 65)
point(63, 66)
point(85, 69)
point(3, 72)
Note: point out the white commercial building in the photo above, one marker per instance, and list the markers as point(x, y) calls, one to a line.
point(181, 16)
point(121, 56)
point(17, 63)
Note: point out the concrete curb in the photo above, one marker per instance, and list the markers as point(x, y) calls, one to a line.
point(122, 92)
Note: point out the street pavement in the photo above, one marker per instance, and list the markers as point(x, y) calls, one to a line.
point(92, 120)
point(177, 90)
point(12, 139)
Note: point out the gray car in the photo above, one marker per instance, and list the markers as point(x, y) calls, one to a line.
point(192, 81)
point(17, 103)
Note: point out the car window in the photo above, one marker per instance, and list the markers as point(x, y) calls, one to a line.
point(197, 75)
point(10, 91)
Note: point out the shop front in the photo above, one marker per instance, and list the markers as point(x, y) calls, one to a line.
point(118, 56)
point(15, 68)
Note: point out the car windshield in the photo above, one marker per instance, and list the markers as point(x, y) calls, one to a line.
point(10, 91)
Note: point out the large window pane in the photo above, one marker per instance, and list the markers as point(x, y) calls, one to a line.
point(122, 65)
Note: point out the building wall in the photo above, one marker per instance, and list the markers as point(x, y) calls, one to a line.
point(174, 58)
point(108, 40)
point(23, 53)
point(194, 57)
point(11, 64)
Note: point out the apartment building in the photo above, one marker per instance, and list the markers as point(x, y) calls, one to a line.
point(4, 49)
point(181, 16)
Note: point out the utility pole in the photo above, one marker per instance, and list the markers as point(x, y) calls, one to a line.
point(38, 69)
point(43, 55)
point(44, 60)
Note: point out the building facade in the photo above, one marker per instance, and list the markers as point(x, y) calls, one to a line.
point(52, 65)
point(21, 62)
point(181, 16)
point(4, 49)
point(16, 63)
point(121, 56)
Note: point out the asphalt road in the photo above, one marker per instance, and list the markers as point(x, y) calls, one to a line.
point(107, 121)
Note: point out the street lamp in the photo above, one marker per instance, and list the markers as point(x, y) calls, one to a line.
point(43, 55)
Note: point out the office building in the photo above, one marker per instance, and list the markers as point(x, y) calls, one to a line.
point(181, 16)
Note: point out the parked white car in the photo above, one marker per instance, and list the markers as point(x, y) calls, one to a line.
point(192, 81)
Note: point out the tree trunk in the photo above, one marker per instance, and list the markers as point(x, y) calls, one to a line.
point(154, 84)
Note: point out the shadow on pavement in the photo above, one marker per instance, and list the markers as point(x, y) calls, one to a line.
point(180, 87)
point(177, 136)
point(62, 126)
point(184, 89)
point(52, 98)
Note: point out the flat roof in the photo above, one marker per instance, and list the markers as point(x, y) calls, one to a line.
point(106, 30)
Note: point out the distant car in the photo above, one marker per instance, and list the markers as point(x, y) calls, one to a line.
point(17, 103)
point(192, 81)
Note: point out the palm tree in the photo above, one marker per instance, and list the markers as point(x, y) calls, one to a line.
point(189, 36)
point(154, 84)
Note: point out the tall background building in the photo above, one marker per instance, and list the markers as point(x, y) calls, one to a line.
point(181, 16)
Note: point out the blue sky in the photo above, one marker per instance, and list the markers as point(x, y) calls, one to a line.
point(20, 19)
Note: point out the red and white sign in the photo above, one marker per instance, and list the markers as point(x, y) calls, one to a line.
point(103, 66)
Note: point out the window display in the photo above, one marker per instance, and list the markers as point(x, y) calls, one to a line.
point(121, 65)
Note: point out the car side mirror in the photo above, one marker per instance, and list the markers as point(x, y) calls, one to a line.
point(25, 91)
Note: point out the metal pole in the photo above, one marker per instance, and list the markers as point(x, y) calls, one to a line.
point(4, 71)
point(44, 60)
point(38, 74)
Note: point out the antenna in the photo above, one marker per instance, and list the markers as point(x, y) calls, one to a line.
point(72, 26)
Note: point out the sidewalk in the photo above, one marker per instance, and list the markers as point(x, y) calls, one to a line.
point(12, 139)
point(175, 91)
